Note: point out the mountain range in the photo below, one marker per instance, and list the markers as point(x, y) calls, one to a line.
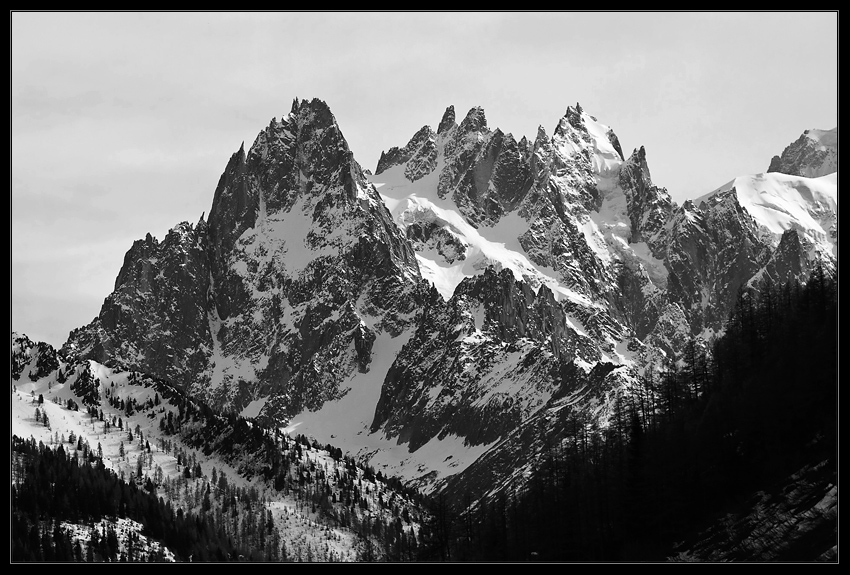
point(447, 316)
point(482, 267)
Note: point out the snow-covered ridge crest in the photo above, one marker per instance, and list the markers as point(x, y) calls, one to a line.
point(554, 211)
point(826, 138)
point(780, 202)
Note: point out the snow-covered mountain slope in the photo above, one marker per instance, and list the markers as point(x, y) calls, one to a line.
point(814, 154)
point(148, 433)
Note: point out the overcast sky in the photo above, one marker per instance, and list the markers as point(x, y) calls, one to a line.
point(123, 123)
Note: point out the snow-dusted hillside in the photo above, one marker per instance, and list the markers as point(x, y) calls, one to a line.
point(306, 506)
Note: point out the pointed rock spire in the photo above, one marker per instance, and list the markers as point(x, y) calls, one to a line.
point(448, 121)
point(638, 160)
point(475, 121)
point(573, 116)
point(648, 205)
point(615, 141)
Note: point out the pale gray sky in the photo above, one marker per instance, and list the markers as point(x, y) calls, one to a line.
point(123, 123)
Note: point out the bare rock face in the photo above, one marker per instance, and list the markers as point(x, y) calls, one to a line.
point(787, 264)
point(447, 123)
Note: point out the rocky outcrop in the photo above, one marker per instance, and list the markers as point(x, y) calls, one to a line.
point(447, 122)
point(813, 154)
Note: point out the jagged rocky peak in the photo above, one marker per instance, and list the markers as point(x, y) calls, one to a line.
point(310, 139)
point(615, 142)
point(303, 154)
point(419, 156)
point(638, 159)
point(319, 274)
point(420, 151)
point(526, 148)
point(231, 194)
point(573, 116)
point(649, 206)
point(566, 159)
point(279, 296)
point(179, 241)
point(475, 121)
point(467, 136)
point(486, 173)
point(813, 154)
point(540, 145)
point(447, 123)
